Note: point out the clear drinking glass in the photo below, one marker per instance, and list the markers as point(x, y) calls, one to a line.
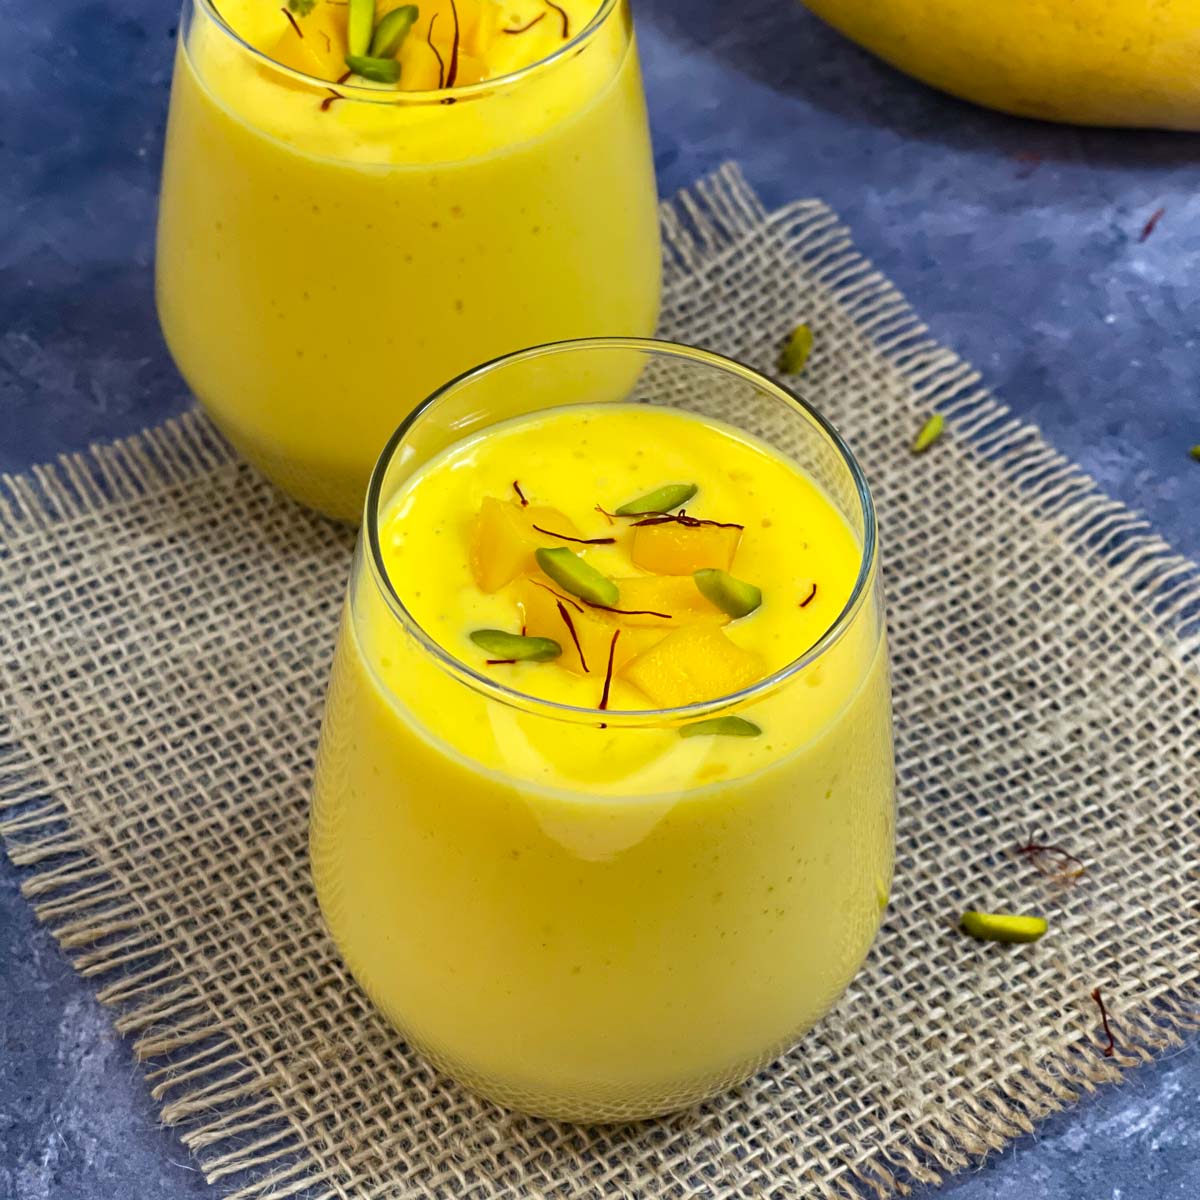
point(324, 263)
point(617, 948)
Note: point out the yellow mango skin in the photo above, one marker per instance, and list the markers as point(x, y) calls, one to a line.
point(1087, 62)
point(673, 549)
point(697, 662)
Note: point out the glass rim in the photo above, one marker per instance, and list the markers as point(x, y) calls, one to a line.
point(513, 697)
point(369, 95)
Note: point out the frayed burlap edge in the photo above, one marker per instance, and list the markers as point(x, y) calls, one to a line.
point(199, 1072)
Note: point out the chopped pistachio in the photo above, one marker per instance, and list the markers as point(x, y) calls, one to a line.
point(390, 33)
point(732, 596)
point(301, 7)
point(504, 646)
point(930, 432)
point(721, 727)
point(1195, 452)
point(661, 500)
point(579, 578)
point(1002, 927)
point(381, 70)
point(359, 24)
point(795, 353)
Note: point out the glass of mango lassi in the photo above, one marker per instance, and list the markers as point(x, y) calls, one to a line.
point(603, 810)
point(361, 199)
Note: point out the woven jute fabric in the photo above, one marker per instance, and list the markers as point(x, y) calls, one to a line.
point(167, 625)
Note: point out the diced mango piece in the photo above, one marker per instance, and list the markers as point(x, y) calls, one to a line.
point(675, 595)
point(478, 22)
point(315, 45)
point(671, 548)
point(503, 540)
point(419, 67)
point(697, 662)
point(538, 602)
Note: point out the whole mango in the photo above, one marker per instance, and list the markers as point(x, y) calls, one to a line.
point(1088, 62)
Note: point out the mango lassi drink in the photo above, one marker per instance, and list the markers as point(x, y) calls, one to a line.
point(603, 809)
point(333, 245)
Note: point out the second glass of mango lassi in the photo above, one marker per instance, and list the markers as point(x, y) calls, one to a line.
point(361, 199)
point(603, 812)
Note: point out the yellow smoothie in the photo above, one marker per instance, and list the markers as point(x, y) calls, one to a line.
point(589, 914)
point(329, 253)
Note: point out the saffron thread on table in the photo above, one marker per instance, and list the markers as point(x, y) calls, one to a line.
point(1038, 854)
point(1111, 1047)
point(1152, 224)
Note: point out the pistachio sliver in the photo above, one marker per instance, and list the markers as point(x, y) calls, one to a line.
point(381, 70)
point(390, 33)
point(515, 646)
point(1002, 927)
point(732, 596)
point(661, 500)
point(796, 351)
point(929, 433)
point(721, 727)
point(579, 578)
point(359, 24)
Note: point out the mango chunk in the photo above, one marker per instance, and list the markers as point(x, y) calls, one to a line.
point(672, 548)
point(676, 595)
point(697, 662)
point(503, 540)
point(478, 25)
point(315, 45)
point(594, 628)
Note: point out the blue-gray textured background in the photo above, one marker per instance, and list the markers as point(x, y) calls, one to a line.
point(1018, 243)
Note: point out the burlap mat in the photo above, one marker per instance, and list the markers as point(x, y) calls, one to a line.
point(168, 619)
